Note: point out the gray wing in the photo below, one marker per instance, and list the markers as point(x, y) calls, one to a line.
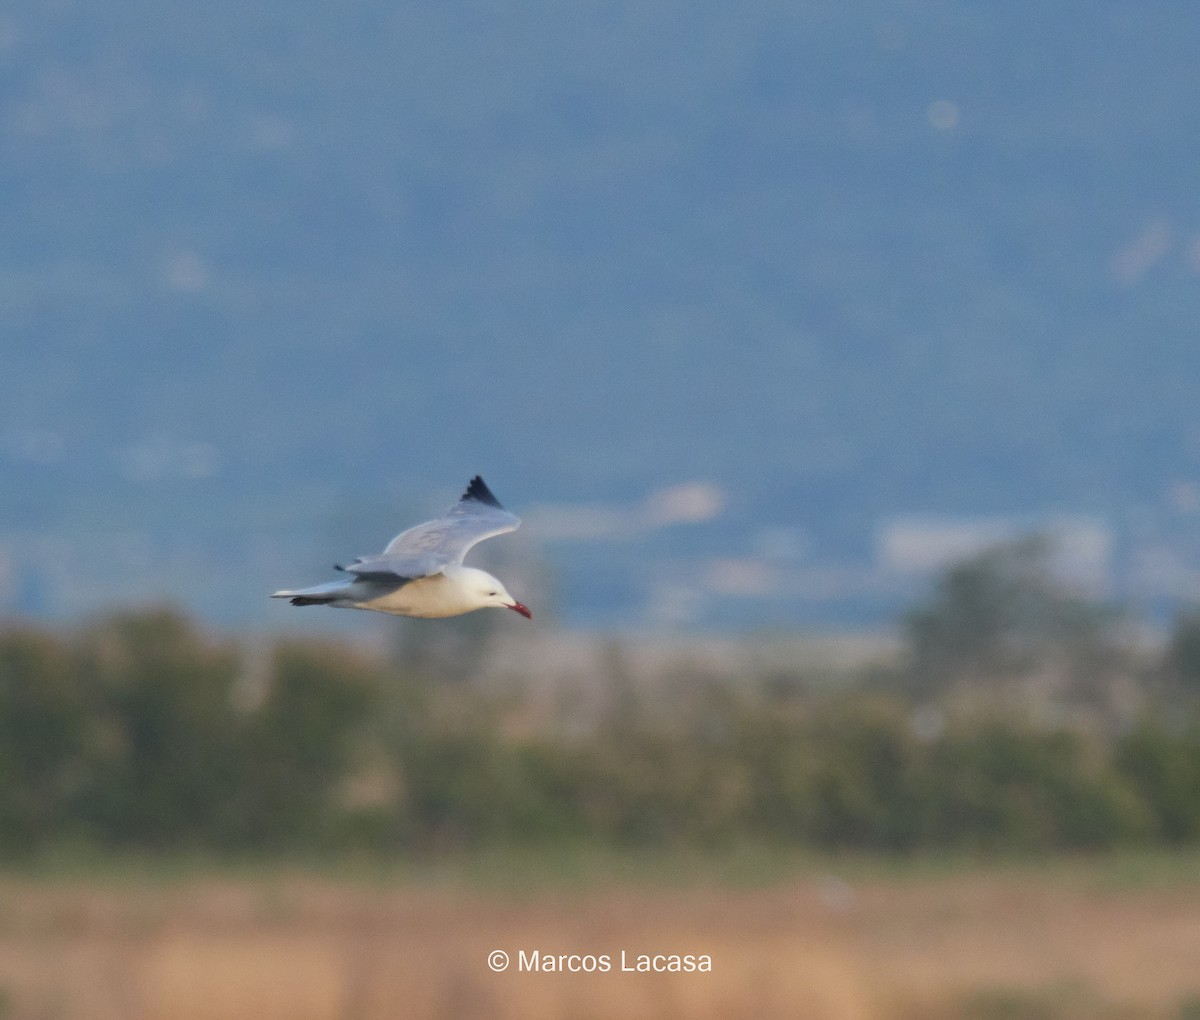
point(430, 547)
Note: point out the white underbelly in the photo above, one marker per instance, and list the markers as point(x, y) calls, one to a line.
point(429, 597)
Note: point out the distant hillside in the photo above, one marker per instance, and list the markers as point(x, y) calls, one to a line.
point(274, 279)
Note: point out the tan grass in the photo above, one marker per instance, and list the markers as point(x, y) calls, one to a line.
point(812, 946)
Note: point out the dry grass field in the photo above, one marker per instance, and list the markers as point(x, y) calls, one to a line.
point(999, 943)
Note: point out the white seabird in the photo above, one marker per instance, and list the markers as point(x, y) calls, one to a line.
point(421, 572)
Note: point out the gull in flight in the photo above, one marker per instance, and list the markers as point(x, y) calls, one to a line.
point(421, 571)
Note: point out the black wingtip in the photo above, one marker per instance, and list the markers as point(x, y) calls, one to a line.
point(477, 489)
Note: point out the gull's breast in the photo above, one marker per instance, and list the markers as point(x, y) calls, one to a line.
point(429, 597)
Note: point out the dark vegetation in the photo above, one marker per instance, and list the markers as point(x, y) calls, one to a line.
point(1022, 718)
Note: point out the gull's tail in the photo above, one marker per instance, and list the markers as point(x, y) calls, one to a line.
point(317, 595)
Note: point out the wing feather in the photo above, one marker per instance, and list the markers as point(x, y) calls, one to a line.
point(430, 547)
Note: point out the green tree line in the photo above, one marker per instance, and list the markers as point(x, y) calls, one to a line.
point(141, 731)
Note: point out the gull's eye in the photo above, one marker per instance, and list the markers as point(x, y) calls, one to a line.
point(492, 594)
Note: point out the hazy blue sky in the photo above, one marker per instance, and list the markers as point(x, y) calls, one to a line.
point(274, 277)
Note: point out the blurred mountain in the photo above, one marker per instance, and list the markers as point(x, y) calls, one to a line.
point(276, 280)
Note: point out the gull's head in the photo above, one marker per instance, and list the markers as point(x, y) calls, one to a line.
point(488, 591)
